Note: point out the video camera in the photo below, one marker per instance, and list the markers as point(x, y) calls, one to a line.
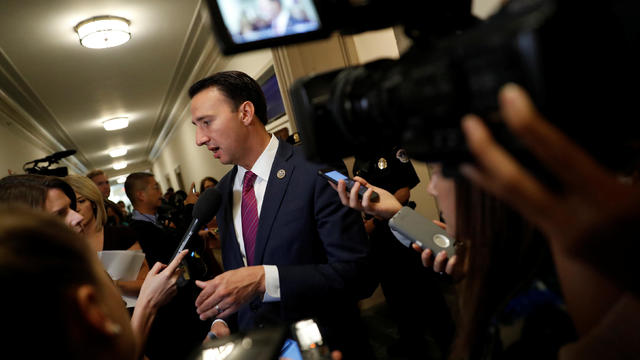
point(575, 60)
point(45, 169)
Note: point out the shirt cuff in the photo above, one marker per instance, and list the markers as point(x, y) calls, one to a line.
point(271, 283)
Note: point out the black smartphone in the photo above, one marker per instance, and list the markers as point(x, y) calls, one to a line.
point(334, 176)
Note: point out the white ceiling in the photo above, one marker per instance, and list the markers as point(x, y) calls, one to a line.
point(60, 92)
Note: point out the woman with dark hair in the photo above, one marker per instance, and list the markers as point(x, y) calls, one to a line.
point(51, 274)
point(510, 303)
point(207, 182)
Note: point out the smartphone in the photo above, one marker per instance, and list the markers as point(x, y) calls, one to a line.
point(334, 176)
point(309, 340)
point(414, 228)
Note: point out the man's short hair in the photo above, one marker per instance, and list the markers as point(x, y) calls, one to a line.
point(28, 194)
point(22, 190)
point(238, 87)
point(136, 182)
point(93, 173)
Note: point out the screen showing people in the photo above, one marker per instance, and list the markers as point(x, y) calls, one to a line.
point(254, 20)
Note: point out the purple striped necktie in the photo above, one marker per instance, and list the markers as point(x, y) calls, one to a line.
point(249, 214)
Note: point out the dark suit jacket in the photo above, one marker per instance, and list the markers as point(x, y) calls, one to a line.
point(319, 246)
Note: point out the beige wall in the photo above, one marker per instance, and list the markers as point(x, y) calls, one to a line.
point(16, 148)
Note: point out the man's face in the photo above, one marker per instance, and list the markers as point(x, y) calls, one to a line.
point(58, 204)
point(219, 125)
point(103, 184)
point(153, 193)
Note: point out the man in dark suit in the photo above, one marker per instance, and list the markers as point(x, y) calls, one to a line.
point(290, 249)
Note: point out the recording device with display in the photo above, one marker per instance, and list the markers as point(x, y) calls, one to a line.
point(259, 344)
point(269, 343)
point(334, 176)
point(575, 72)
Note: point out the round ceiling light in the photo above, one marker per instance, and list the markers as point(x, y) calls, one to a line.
point(103, 32)
point(116, 123)
point(120, 165)
point(117, 152)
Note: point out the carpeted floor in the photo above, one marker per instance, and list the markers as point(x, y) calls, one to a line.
point(383, 333)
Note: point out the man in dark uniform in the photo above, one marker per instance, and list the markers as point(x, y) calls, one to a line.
point(413, 294)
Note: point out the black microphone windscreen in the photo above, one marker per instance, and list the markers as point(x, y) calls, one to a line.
point(207, 205)
point(61, 154)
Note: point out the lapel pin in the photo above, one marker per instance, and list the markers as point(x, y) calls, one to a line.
point(281, 173)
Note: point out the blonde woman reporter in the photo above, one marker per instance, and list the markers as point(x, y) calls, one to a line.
point(100, 235)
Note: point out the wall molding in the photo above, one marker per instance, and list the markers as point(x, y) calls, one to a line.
point(199, 55)
point(26, 113)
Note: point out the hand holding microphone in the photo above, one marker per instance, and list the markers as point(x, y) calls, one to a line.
point(203, 211)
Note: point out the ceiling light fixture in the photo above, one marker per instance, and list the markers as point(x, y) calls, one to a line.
point(120, 165)
point(116, 123)
point(122, 179)
point(102, 32)
point(120, 151)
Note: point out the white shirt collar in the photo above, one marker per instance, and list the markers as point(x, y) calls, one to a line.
point(262, 166)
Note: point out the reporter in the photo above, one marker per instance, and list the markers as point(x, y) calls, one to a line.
point(43, 261)
point(102, 235)
point(35, 192)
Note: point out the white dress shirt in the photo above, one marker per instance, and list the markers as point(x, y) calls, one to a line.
point(262, 169)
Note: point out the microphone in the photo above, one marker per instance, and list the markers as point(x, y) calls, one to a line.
point(203, 211)
point(60, 155)
point(55, 156)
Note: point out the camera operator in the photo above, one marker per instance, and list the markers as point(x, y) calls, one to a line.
point(593, 208)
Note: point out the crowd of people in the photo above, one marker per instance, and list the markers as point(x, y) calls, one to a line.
point(540, 271)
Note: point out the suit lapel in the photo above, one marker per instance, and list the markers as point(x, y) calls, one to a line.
point(273, 196)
